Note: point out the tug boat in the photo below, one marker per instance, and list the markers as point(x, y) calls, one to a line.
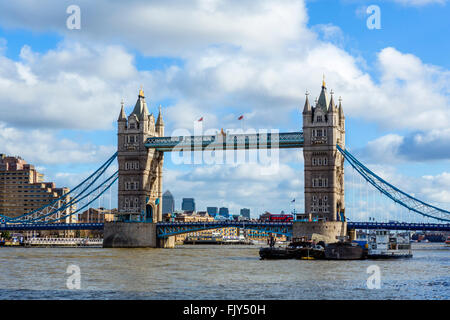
point(297, 249)
point(447, 242)
point(383, 245)
point(344, 250)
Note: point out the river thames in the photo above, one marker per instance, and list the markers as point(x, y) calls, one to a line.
point(216, 272)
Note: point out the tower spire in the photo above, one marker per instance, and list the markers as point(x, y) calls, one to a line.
point(122, 115)
point(323, 97)
point(307, 107)
point(160, 123)
point(331, 107)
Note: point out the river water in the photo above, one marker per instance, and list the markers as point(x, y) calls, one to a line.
point(216, 272)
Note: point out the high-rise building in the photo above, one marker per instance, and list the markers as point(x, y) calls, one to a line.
point(245, 213)
point(188, 204)
point(22, 189)
point(168, 203)
point(212, 211)
point(224, 212)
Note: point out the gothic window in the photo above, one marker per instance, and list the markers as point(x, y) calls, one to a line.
point(314, 161)
point(132, 139)
point(325, 161)
point(127, 202)
point(319, 118)
point(320, 161)
point(319, 132)
point(132, 125)
point(132, 165)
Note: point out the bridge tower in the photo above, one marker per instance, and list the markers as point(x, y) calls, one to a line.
point(140, 179)
point(140, 169)
point(323, 128)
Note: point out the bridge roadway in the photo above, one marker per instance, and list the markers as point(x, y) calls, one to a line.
point(227, 142)
point(166, 229)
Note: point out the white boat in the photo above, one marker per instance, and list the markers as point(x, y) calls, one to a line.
point(383, 245)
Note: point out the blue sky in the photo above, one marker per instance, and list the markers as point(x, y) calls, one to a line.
point(60, 89)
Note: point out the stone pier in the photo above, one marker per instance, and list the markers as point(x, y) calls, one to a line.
point(327, 231)
point(129, 235)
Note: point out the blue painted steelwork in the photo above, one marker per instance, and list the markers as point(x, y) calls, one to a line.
point(227, 142)
point(394, 193)
point(166, 229)
point(52, 226)
point(399, 226)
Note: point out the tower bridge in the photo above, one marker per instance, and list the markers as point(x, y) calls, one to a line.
point(141, 145)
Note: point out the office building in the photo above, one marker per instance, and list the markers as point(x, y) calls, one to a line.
point(188, 204)
point(224, 212)
point(245, 213)
point(168, 203)
point(22, 189)
point(212, 211)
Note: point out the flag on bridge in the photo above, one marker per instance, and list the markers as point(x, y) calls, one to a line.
point(201, 119)
point(241, 117)
point(293, 200)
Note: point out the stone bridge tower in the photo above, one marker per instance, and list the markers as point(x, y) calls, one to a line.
point(140, 170)
point(323, 128)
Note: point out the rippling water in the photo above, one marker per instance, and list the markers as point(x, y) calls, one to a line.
point(216, 272)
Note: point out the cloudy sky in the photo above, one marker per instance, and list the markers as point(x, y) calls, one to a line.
point(60, 88)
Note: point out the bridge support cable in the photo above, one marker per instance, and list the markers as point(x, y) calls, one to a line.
point(68, 200)
point(59, 214)
point(97, 193)
point(395, 194)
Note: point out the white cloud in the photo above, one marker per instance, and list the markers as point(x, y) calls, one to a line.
point(237, 187)
point(43, 147)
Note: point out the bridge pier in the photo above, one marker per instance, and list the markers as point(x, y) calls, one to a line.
point(129, 235)
point(168, 242)
point(327, 231)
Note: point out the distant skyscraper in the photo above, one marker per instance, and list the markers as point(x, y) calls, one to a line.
point(188, 204)
point(212, 211)
point(224, 212)
point(245, 213)
point(168, 203)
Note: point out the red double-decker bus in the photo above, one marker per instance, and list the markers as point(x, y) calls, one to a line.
point(281, 217)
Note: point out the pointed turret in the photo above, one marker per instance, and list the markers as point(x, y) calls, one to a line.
point(331, 106)
point(122, 115)
point(341, 110)
point(160, 123)
point(307, 107)
point(323, 98)
point(140, 109)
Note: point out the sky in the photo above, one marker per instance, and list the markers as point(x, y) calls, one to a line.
point(61, 88)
